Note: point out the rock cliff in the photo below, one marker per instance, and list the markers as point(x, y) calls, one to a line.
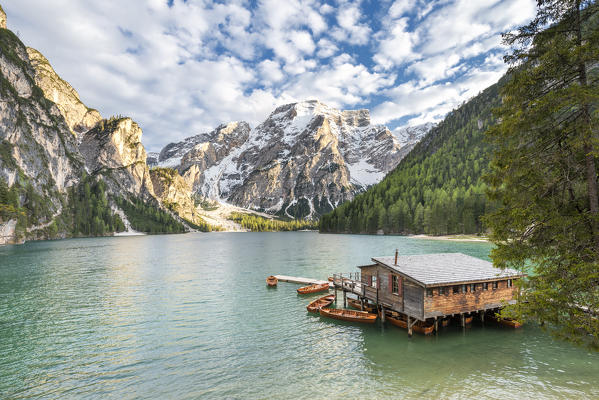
point(175, 193)
point(78, 116)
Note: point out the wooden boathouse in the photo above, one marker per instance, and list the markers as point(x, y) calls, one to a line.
point(431, 287)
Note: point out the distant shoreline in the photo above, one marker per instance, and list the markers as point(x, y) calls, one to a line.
point(453, 238)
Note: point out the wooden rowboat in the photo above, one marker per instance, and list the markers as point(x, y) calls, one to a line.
point(319, 303)
point(445, 322)
point(272, 281)
point(348, 315)
point(319, 287)
point(468, 320)
point(355, 303)
point(420, 327)
point(512, 323)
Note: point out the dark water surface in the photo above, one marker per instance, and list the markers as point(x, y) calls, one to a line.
point(189, 316)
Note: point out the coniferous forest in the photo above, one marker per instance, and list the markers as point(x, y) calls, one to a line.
point(437, 189)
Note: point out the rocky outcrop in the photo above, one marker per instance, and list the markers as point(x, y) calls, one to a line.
point(174, 193)
point(78, 116)
point(302, 161)
point(8, 232)
point(2, 18)
point(113, 149)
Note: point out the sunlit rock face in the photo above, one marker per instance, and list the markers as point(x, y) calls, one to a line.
point(302, 161)
point(113, 150)
point(78, 116)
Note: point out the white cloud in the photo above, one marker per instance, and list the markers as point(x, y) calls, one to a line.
point(187, 68)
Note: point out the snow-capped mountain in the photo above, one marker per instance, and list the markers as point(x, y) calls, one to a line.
point(302, 161)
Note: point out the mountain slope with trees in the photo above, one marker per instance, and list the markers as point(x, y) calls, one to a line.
point(437, 189)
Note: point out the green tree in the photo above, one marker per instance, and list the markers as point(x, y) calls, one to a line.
point(544, 169)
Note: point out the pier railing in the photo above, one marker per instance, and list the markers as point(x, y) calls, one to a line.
point(352, 283)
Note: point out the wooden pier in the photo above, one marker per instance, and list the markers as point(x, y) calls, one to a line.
point(304, 281)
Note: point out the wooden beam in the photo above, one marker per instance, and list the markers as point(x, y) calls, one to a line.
point(436, 325)
point(409, 327)
point(344, 299)
point(462, 320)
point(382, 314)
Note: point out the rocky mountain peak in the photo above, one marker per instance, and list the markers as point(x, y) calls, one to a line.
point(302, 161)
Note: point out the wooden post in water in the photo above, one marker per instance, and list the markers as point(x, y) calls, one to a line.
point(462, 320)
point(344, 299)
point(382, 314)
point(436, 325)
point(362, 303)
point(482, 316)
point(409, 327)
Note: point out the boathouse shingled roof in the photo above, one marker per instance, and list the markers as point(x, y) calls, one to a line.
point(445, 268)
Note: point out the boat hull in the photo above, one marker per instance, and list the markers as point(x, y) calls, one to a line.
point(418, 326)
point(313, 288)
point(272, 281)
point(317, 304)
point(349, 315)
point(509, 323)
point(356, 304)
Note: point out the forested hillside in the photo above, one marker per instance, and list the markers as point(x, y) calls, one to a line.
point(437, 189)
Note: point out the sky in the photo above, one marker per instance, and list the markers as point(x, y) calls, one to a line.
point(180, 68)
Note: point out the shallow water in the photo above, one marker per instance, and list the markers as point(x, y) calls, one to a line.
point(189, 316)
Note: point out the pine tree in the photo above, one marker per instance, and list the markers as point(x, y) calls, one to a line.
point(544, 169)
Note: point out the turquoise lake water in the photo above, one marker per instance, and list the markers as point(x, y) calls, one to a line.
point(190, 317)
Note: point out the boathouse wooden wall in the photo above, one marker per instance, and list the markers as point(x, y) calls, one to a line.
point(408, 300)
point(447, 304)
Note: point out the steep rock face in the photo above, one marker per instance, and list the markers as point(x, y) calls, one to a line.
point(113, 149)
point(79, 117)
point(38, 152)
point(302, 161)
point(174, 193)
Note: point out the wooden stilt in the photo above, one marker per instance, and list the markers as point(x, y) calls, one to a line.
point(409, 326)
point(462, 320)
point(436, 325)
point(335, 294)
point(362, 303)
point(482, 316)
point(344, 299)
point(383, 315)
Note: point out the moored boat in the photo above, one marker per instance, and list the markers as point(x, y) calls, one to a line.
point(512, 323)
point(349, 315)
point(355, 303)
point(321, 302)
point(319, 287)
point(272, 280)
point(420, 327)
point(468, 320)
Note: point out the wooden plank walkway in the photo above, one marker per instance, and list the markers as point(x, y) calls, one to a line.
point(296, 279)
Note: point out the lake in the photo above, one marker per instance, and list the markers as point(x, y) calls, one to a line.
point(190, 316)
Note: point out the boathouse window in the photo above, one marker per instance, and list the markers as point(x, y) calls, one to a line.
point(463, 289)
point(456, 289)
point(429, 292)
point(494, 286)
point(473, 287)
point(443, 291)
point(374, 281)
point(509, 283)
point(395, 284)
point(486, 286)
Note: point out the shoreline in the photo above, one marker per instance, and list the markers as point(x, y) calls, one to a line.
point(453, 238)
